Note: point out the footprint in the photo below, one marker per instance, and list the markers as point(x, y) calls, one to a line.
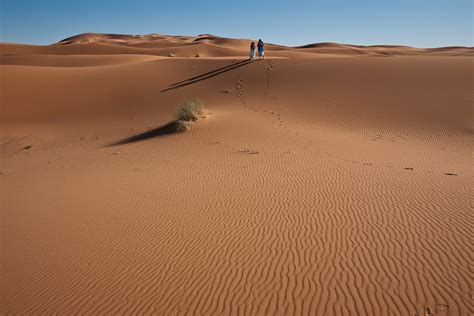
point(248, 152)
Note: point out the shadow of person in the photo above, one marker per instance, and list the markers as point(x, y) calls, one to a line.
point(208, 75)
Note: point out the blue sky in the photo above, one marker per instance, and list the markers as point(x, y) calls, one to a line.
point(421, 23)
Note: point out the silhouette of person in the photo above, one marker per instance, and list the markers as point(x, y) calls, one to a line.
point(252, 50)
point(261, 49)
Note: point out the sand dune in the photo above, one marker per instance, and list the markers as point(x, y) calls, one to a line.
point(207, 45)
point(315, 185)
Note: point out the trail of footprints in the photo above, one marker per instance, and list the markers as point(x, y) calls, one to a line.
point(238, 86)
point(268, 81)
point(276, 117)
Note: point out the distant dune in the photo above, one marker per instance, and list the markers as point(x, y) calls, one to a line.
point(328, 179)
point(206, 45)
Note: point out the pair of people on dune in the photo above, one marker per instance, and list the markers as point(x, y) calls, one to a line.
point(261, 50)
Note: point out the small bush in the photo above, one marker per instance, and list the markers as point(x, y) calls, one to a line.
point(189, 111)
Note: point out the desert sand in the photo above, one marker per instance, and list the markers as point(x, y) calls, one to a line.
point(327, 179)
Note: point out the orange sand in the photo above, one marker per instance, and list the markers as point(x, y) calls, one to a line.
point(326, 180)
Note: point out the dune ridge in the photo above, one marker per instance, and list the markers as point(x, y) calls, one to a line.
point(207, 45)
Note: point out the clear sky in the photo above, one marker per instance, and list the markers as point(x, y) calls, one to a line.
point(421, 23)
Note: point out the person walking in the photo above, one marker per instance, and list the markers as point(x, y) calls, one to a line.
point(252, 50)
point(261, 49)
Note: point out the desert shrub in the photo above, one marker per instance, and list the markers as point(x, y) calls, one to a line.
point(189, 111)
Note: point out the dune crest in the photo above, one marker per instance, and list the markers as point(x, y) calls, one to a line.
point(207, 45)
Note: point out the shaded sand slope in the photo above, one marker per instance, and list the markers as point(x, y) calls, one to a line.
point(312, 187)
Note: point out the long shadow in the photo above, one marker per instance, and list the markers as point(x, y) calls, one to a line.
point(207, 75)
point(168, 129)
point(210, 72)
